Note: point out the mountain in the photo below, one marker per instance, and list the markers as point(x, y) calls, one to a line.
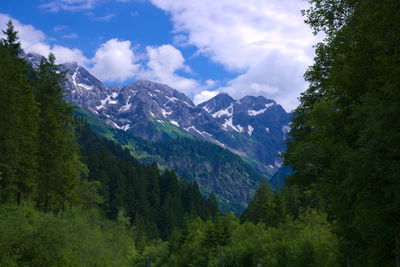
point(254, 128)
point(215, 169)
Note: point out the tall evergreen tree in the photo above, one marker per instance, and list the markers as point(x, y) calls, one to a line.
point(18, 117)
point(262, 208)
point(59, 165)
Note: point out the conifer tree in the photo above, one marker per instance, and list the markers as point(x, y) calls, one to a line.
point(18, 117)
point(59, 165)
point(262, 208)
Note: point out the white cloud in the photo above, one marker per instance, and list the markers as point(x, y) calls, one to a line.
point(255, 37)
point(69, 5)
point(100, 18)
point(163, 63)
point(282, 82)
point(204, 96)
point(64, 54)
point(70, 36)
point(35, 41)
point(114, 61)
point(59, 28)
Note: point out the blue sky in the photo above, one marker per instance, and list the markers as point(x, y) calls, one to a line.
point(200, 47)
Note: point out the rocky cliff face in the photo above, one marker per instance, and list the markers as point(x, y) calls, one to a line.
point(252, 127)
point(255, 128)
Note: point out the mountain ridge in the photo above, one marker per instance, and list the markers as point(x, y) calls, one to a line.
point(158, 114)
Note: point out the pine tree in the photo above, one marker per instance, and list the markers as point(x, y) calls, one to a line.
point(11, 42)
point(58, 156)
point(18, 117)
point(262, 207)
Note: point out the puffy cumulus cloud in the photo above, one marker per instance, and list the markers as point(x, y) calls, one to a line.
point(114, 61)
point(276, 76)
point(245, 36)
point(204, 96)
point(35, 41)
point(163, 63)
point(64, 54)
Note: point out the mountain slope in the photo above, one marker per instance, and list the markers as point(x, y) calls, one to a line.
point(253, 128)
point(214, 168)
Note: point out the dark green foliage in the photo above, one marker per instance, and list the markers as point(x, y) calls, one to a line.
point(11, 42)
point(18, 120)
point(306, 241)
point(262, 208)
point(346, 132)
point(156, 203)
point(58, 159)
point(73, 238)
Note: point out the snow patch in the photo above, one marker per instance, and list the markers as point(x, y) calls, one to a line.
point(175, 123)
point(173, 99)
point(165, 113)
point(240, 128)
point(223, 112)
point(74, 76)
point(252, 112)
point(125, 127)
point(286, 129)
point(87, 87)
point(105, 101)
point(229, 123)
point(278, 164)
point(250, 130)
point(127, 106)
point(194, 129)
point(207, 109)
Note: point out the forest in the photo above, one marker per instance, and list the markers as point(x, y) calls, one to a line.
point(69, 197)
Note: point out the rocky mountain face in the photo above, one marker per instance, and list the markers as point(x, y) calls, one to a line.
point(255, 128)
point(252, 127)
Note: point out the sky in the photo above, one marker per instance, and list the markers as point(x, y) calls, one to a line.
point(199, 47)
